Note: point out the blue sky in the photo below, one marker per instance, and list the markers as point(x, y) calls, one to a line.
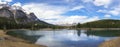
point(70, 11)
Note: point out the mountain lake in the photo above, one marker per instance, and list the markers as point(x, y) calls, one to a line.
point(66, 38)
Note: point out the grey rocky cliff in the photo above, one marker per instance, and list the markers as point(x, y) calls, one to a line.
point(18, 15)
point(5, 12)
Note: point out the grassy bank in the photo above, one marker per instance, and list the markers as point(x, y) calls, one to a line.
point(111, 43)
point(9, 41)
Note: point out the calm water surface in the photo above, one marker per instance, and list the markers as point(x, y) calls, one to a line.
point(67, 38)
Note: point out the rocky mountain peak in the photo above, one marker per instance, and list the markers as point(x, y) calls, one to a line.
point(16, 13)
point(5, 12)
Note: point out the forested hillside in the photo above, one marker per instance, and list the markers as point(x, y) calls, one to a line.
point(106, 23)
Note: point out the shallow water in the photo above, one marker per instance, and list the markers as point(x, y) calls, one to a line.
point(67, 38)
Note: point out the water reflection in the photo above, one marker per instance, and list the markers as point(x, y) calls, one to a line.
point(104, 33)
point(66, 38)
point(78, 32)
point(25, 34)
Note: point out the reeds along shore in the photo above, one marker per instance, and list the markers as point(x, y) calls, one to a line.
point(9, 41)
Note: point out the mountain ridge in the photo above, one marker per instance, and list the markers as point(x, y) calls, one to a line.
point(19, 18)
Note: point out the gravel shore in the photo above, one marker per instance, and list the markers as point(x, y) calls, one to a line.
point(9, 41)
point(111, 43)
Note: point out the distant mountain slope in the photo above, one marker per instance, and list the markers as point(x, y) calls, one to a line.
point(106, 23)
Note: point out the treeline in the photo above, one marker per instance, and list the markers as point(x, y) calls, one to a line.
point(6, 23)
point(106, 23)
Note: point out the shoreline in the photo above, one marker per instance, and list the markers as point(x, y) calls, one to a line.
point(97, 28)
point(10, 41)
point(70, 29)
point(111, 43)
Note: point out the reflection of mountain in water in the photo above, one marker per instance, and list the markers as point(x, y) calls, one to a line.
point(22, 34)
point(104, 33)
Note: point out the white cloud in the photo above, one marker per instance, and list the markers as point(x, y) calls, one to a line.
point(45, 11)
point(5, 1)
point(68, 1)
point(76, 19)
point(104, 3)
point(107, 16)
point(53, 14)
point(94, 18)
point(115, 11)
point(77, 8)
point(103, 11)
point(71, 19)
point(86, 1)
point(17, 4)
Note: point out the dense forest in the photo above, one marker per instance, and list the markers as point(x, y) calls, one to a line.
point(11, 24)
point(105, 23)
point(6, 23)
